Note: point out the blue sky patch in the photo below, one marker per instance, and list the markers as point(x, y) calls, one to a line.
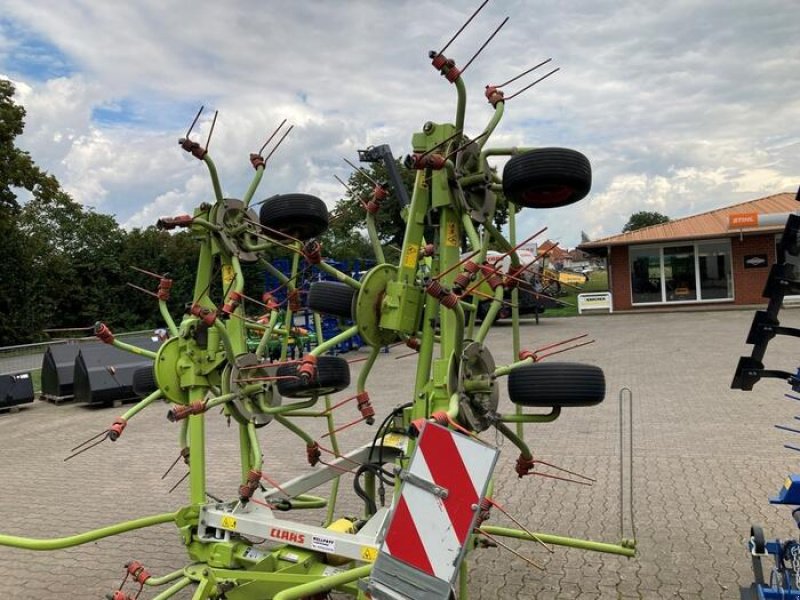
point(31, 56)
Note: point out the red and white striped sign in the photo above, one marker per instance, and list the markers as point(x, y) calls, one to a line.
point(428, 532)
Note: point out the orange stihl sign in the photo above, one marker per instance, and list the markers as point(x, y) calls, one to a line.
point(743, 220)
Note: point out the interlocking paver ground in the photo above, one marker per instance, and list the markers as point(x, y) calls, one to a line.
point(705, 460)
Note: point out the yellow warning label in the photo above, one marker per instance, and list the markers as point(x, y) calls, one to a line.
point(229, 523)
point(452, 236)
point(412, 254)
point(395, 440)
point(788, 483)
point(369, 554)
point(227, 274)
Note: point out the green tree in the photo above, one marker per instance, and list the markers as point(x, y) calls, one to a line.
point(25, 293)
point(644, 219)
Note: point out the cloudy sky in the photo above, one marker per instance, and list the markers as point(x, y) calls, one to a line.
point(681, 106)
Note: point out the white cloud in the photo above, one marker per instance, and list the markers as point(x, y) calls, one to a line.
point(681, 106)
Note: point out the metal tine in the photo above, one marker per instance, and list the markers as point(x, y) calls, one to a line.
point(785, 428)
point(172, 466)
point(529, 86)
point(89, 447)
point(790, 397)
point(141, 289)
point(146, 272)
point(197, 116)
point(563, 470)
point(267, 378)
point(362, 171)
point(271, 365)
point(790, 447)
point(275, 231)
point(91, 439)
point(468, 21)
point(561, 343)
point(520, 525)
point(280, 141)
point(347, 187)
point(567, 479)
point(211, 131)
point(458, 264)
point(486, 43)
point(180, 481)
point(442, 143)
point(573, 347)
point(269, 139)
point(531, 70)
point(510, 549)
point(459, 149)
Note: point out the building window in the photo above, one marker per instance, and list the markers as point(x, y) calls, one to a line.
point(680, 282)
point(714, 260)
point(646, 275)
point(694, 272)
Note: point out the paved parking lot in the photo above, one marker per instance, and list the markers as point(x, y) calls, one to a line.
point(705, 460)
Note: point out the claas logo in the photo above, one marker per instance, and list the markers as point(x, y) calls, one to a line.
point(287, 536)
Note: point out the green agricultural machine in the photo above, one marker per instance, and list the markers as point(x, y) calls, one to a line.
point(427, 450)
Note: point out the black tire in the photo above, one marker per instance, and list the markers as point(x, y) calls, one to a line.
point(557, 384)
point(144, 382)
point(333, 375)
point(331, 298)
point(547, 178)
point(759, 546)
point(300, 216)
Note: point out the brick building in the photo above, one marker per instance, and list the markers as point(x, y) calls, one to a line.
point(694, 260)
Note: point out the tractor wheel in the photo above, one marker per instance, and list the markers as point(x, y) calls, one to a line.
point(331, 298)
point(557, 384)
point(759, 546)
point(298, 216)
point(144, 382)
point(333, 375)
point(547, 178)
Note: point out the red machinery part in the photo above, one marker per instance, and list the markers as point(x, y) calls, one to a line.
point(257, 160)
point(247, 490)
point(193, 148)
point(138, 572)
point(523, 354)
point(178, 413)
point(164, 287)
point(308, 367)
point(269, 301)
point(365, 407)
point(119, 595)
point(524, 466)
point(492, 275)
point(312, 252)
point(116, 429)
point(294, 300)
point(102, 331)
point(167, 223)
point(493, 95)
point(207, 316)
point(425, 161)
point(234, 300)
point(514, 277)
point(313, 454)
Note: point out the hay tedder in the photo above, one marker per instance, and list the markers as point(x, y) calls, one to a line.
point(415, 542)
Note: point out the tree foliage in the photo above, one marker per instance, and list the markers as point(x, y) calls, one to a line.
point(67, 266)
point(644, 218)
